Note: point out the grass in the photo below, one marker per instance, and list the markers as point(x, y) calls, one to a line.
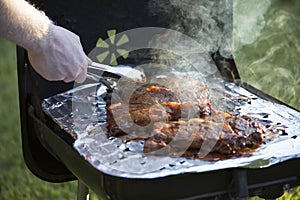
point(18, 183)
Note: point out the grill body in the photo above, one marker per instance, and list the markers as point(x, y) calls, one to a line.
point(48, 151)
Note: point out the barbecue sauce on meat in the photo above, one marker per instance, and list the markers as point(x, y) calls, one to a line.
point(182, 128)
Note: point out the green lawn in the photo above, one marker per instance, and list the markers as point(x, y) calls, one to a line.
point(16, 181)
point(278, 75)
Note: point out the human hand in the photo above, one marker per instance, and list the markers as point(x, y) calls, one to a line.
point(59, 56)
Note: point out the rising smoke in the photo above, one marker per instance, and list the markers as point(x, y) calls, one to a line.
point(221, 26)
point(213, 22)
point(208, 22)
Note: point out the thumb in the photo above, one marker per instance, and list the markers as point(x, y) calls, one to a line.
point(81, 76)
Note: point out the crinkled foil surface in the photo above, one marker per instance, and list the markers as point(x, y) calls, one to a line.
point(81, 113)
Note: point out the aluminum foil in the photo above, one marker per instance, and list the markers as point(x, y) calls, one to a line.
point(81, 113)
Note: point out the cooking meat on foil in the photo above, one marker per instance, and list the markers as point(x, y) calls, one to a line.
point(168, 125)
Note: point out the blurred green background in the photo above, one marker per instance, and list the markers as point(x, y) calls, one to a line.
point(16, 181)
point(271, 63)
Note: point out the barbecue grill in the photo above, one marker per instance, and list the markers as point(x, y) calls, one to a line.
point(48, 150)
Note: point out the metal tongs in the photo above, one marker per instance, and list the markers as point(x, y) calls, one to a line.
point(121, 70)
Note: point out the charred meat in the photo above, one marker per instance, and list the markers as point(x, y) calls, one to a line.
point(169, 125)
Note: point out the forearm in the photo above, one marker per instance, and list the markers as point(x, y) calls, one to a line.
point(22, 24)
point(54, 52)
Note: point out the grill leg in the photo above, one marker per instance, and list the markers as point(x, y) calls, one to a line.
point(240, 184)
point(82, 191)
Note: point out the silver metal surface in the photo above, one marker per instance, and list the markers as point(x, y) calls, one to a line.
point(81, 112)
point(121, 70)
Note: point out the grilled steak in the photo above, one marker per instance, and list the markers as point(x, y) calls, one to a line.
point(229, 137)
point(153, 103)
point(165, 122)
point(143, 115)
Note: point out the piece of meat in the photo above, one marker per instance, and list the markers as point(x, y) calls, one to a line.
point(153, 94)
point(148, 102)
point(231, 136)
point(143, 115)
point(182, 122)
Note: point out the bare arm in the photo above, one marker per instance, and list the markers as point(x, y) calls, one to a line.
point(53, 51)
point(21, 23)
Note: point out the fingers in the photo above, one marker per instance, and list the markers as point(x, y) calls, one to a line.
point(81, 75)
point(60, 56)
point(89, 61)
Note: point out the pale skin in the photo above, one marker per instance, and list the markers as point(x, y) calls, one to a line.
point(54, 52)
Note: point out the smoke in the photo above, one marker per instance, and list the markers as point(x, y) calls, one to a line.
point(215, 24)
point(208, 26)
point(208, 22)
point(248, 21)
